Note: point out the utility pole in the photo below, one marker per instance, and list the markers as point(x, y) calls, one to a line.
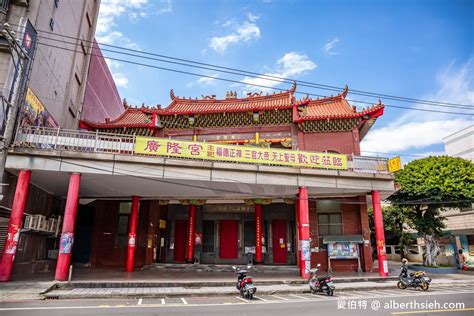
point(17, 99)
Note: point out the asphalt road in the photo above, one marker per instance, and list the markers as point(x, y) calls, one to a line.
point(376, 302)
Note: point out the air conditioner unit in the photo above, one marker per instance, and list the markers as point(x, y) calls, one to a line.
point(30, 222)
point(42, 224)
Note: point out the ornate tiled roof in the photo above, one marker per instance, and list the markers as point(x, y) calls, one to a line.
point(334, 107)
point(209, 104)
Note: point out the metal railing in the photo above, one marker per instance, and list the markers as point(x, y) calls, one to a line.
point(121, 144)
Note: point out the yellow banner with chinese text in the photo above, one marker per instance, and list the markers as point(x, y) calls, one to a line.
point(244, 154)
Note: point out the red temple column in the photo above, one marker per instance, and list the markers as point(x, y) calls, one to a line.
point(132, 234)
point(379, 234)
point(67, 236)
point(192, 219)
point(258, 233)
point(19, 201)
point(304, 246)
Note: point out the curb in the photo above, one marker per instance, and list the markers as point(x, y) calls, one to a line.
point(226, 292)
point(199, 284)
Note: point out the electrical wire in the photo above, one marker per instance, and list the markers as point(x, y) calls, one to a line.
point(239, 82)
point(256, 74)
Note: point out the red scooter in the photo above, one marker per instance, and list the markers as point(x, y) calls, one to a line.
point(244, 283)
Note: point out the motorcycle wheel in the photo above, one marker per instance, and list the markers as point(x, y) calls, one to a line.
point(330, 292)
point(425, 286)
point(313, 291)
point(401, 285)
point(250, 296)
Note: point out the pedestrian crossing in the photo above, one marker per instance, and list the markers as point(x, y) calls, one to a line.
point(304, 297)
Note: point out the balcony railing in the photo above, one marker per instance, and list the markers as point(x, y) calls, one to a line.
point(52, 139)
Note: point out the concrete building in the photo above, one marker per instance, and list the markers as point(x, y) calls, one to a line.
point(266, 178)
point(61, 33)
point(57, 36)
point(460, 223)
point(461, 143)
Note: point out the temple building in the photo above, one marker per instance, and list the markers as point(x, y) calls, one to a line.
point(267, 178)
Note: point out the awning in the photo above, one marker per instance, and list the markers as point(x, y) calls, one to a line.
point(329, 239)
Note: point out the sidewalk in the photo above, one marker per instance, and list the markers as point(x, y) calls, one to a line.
point(185, 281)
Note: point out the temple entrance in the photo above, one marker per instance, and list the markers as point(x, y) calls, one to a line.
point(180, 233)
point(229, 235)
point(279, 241)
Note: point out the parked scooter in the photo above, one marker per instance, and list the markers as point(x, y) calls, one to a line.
point(320, 283)
point(416, 279)
point(244, 283)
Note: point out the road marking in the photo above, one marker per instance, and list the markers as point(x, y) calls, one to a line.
point(184, 301)
point(140, 302)
point(260, 298)
point(300, 297)
point(392, 292)
point(281, 298)
point(435, 311)
point(163, 301)
point(242, 299)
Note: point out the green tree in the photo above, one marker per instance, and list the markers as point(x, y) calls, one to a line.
point(395, 221)
point(429, 185)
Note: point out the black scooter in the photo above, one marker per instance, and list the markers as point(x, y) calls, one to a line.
point(244, 283)
point(416, 279)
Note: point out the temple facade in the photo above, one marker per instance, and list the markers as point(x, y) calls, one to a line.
point(268, 179)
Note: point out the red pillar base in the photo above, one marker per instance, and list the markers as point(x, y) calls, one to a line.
point(16, 217)
point(304, 245)
point(258, 234)
point(379, 234)
point(67, 236)
point(132, 234)
point(192, 219)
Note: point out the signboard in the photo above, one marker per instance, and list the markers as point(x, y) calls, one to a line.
point(394, 164)
point(34, 112)
point(245, 154)
point(343, 250)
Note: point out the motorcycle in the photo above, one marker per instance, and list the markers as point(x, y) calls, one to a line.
point(414, 279)
point(244, 283)
point(320, 283)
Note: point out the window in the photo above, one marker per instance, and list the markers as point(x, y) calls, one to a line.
point(208, 238)
point(329, 224)
point(124, 216)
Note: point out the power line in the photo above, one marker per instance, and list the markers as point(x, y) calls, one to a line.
point(239, 82)
point(255, 74)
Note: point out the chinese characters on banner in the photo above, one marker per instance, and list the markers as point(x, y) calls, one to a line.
point(213, 151)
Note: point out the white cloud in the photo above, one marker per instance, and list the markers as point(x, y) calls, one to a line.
point(253, 18)
point(203, 81)
point(245, 32)
point(120, 79)
point(329, 46)
point(111, 10)
point(292, 64)
point(415, 135)
point(418, 130)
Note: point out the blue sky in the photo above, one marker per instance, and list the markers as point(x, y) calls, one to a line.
point(418, 49)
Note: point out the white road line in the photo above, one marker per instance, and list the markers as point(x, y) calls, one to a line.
point(242, 299)
point(163, 301)
point(392, 292)
point(352, 295)
point(140, 302)
point(260, 298)
point(300, 297)
point(184, 301)
point(281, 298)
